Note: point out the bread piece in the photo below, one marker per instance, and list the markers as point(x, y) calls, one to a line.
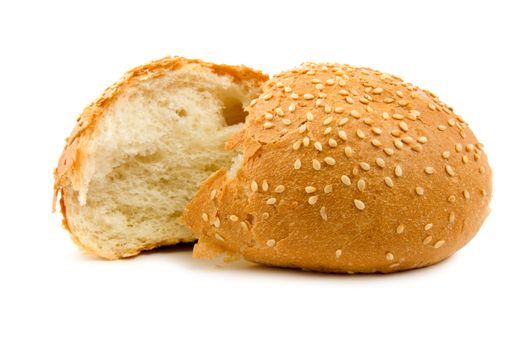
point(139, 152)
point(345, 169)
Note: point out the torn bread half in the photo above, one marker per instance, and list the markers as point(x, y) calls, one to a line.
point(140, 151)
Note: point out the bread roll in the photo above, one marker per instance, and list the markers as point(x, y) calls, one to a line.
point(345, 169)
point(139, 152)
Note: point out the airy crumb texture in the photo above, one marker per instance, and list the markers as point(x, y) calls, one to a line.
point(345, 169)
point(139, 153)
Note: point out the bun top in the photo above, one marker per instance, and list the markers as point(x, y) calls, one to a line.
point(346, 169)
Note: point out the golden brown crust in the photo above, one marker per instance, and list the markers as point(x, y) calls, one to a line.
point(69, 163)
point(346, 170)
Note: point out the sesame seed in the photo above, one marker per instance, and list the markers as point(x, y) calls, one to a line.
point(342, 134)
point(253, 103)
point(360, 133)
point(408, 140)
point(428, 227)
point(432, 107)
point(427, 240)
point(286, 121)
point(296, 145)
point(376, 143)
point(279, 112)
point(310, 116)
point(349, 100)
point(359, 204)
point(403, 103)
point(306, 141)
point(377, 130)
point(361, 185)
point(388, 181)
point(464, 159)
point(268, 125)
point(458, 147)
point(264, 186)
point(378, 90)
point(254, 186)
point(451, 198)
point(279, 189)
point(327, 130)
point(338, 253)
point(233, 218)
point(439, 244)
point(442, 127)
point(330, 160)
point(380, 162)
point(364, 100)
point(318, 146)
point(451, 217)
point(316, 165)
point(446, 154)
point(466, 194)
point(398, 171)
point(287, 89)
point(451, 122)
point(389, 256)
point(389, 151)
point(414, 113)
point(308, 96)
point(398, 144)
point(310, 189)
point(271, 201)
point(312, 200)
point(348, 151)
point(400, 229)
point(323, 213)
point(399, 93)
point(327, 121)
point(449, 170)
point(332, 142)
point(267, 97)
point(343, 121)
point(319, 86)
point(398, 116)
point(219, 237)
point(327, 109)
point(388, 100)
point(271, 243)
point(319, 102)
point(269, 116)
point(346, 180)
point(302, 128)
point(204, 216)
point(385, 115)
point(297, 164)
point(292, 107)
point(330, 82)
point(422, 139)
point(244, 226)
point(327, 189)
point(403, 126)
point(343, 92)
point(216, 222)
point(365, 166)
point(213, 194)
point(419, 191)
point(429, 170)
point(368, 121)
point(315, 81)
point(355, 113)
point(482, 170)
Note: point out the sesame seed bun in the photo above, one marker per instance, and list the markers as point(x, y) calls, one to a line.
point(345, 169)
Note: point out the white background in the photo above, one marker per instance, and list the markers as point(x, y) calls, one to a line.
point(56, 57)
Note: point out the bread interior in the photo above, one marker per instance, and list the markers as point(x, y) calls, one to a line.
point(156, 143)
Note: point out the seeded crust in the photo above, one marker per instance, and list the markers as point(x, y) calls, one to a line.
point(68, 169)
point(345, 169)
